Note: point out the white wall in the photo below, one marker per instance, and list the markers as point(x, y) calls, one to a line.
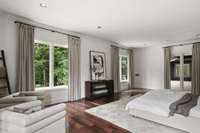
point(51, 37)
point(95, 44)
point(178, 51)
point(149, 64)
point(8, 42)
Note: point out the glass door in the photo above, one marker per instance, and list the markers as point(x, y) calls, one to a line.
point(181, 69)
point(175, 72)
point(187, 72)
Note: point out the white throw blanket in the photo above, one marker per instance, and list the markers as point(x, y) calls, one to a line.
point(195, 112)
point(33, 109)
point(28, 108)
point(156, 101)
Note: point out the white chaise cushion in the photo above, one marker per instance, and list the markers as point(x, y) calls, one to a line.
point(27, 105)
point(12, 128)
point(27, 120)
point(11, 100)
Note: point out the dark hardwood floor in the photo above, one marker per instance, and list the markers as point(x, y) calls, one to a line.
point(82, 122)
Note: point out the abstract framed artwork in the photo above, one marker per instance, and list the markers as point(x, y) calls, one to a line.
point(97, 65)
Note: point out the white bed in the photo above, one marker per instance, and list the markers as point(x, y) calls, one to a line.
point(154, 106)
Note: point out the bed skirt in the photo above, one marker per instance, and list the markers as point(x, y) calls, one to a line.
point(189, 124)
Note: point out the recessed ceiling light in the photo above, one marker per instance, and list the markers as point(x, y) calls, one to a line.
point(43, 5)
point(99, 27)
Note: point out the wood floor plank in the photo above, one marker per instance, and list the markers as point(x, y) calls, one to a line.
point(82, 122)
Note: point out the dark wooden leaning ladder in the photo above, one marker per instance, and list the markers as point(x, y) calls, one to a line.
point(4, 88)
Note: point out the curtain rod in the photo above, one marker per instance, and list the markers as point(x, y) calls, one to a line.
point(46, 29)
point(181, 44)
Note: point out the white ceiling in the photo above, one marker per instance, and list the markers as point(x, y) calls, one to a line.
point(128, 22)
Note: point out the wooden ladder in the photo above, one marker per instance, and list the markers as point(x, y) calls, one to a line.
point(4, 80)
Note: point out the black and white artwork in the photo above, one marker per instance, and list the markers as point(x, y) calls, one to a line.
point(97, 65)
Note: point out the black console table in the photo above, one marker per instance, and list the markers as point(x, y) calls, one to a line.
point(97, 89)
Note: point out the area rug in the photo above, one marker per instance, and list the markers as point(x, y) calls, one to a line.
point(115, 113)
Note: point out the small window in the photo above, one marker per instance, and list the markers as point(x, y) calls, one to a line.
point(124, 68)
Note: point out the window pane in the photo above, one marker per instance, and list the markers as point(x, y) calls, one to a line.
point(124, 68)
point(41, 62)
point(61, 66)
point(177, 70)
point(186, 70)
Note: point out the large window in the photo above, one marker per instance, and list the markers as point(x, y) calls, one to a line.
point(124, 68)
point(51, 65)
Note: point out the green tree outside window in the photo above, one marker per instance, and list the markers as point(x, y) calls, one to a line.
point(42, 69)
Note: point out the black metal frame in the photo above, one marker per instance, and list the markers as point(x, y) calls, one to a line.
point(6, 71)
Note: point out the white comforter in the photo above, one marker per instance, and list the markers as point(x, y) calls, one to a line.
point(156, 101)
point(195, 112)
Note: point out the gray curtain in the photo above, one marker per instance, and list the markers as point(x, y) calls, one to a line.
point(74, 59)
point(167, 71)
point(196, 69)
point(25, 75)
point(115, 67)
point(131, 70)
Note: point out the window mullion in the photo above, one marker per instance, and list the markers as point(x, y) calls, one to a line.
point(181, 72)
point(128, 68)
point(120, 68)
point(51, 66)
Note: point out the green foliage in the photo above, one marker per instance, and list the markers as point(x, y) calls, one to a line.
point(61, 66)
point(124, 62)
point(41, 62)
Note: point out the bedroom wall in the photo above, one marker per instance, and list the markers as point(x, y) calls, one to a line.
point(87, 44)
point(148, 61)
point(149, 64)
point(8, 42)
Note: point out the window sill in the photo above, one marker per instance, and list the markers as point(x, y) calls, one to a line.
point(124, 81)
point(51, 88)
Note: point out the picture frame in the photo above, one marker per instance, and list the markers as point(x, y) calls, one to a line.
point(97, 65)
